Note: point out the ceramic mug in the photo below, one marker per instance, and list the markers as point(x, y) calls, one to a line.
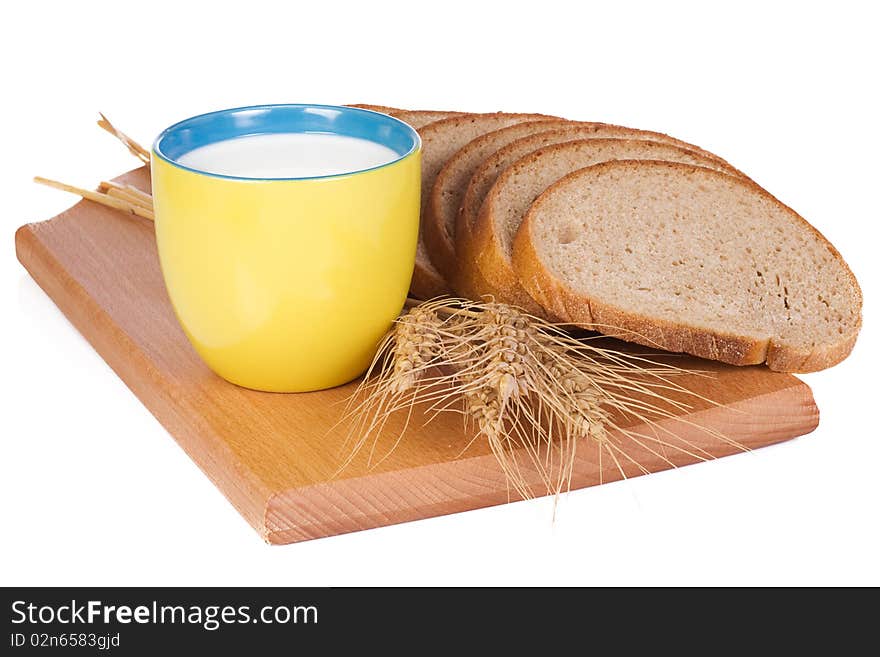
point(287, 284)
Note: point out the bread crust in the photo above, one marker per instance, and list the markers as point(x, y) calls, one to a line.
point(382, 109)
point(473, 284)
point(589, 312)
point(416, 118)
point(483, 269)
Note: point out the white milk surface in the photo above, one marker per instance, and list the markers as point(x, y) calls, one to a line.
point(288, 155)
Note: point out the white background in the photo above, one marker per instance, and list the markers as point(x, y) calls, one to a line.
point(94, 491)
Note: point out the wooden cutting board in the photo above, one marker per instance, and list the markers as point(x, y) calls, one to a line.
point(276, 457)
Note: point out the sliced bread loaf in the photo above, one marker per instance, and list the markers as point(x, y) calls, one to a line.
point(446, 196)
point(440, 139)
point(506, 203)
point(469, 282)
point(689, 259)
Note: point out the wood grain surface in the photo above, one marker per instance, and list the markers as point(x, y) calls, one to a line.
point(276, 457)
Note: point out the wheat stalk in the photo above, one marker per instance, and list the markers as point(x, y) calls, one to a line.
point(527, 386)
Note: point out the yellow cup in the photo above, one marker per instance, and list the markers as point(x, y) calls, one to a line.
point(287, 285)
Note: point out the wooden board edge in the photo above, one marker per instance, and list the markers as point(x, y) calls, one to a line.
point(126, 360)
point(476, 482)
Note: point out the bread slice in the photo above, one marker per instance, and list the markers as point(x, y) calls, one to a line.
point(468, 281)
point(689, 259)
point(515, 190)
point(446, 196)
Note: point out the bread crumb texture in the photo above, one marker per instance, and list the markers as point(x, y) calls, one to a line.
point(679, 245)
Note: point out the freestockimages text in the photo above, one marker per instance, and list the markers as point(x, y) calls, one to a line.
point(209, 617)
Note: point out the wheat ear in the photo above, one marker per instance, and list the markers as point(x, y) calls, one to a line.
point(527, 386)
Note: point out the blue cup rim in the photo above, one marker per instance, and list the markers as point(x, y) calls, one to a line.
point(399, 136)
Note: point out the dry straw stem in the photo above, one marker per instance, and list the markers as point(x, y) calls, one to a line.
point(115, 200)
point(528, 387)
point(135, 148)
point(128, 193)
